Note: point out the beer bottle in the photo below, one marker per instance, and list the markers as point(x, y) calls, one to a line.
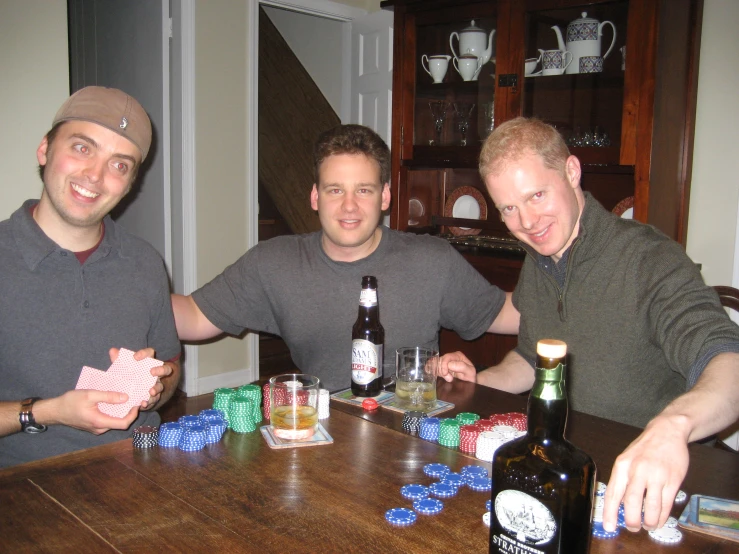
point(368, 339)
point(543, 486)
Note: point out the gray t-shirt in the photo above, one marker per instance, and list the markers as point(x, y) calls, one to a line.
point(57, 315)
point(288, 286)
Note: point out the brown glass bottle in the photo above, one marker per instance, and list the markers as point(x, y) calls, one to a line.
point(368, 340)
point(543, 485)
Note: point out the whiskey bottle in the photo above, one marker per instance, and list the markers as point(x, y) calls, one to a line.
point(543, 485)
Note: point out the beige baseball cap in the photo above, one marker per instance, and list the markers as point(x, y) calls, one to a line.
point(111, 108)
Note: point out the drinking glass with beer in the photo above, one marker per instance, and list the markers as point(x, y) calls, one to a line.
point(293, 405)
point(415, 381)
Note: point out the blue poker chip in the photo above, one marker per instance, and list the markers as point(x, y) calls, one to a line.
point(443, 490)
point(401, 517)
point(489, 505)
point(477, 471)
point(428, 506)
point(189, 420)
point(481, 484)
point(454, 479)
point(436, 470)
point(414, 492)
point(601, 533)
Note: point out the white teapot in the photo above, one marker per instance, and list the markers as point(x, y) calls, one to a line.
point(472, 41)
point(583, 39)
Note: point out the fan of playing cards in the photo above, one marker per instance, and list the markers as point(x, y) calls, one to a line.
point(126, 375)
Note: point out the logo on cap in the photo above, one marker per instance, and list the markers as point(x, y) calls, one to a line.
point(124, 123)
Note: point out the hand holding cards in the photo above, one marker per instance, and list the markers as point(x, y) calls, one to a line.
point(126, 375)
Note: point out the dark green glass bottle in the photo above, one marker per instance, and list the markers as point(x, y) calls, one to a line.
point(543, 485)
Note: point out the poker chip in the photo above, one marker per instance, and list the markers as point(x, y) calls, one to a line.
point(369, 404)
point(481, 484)
point(600, 489)
point(222, 400)
point(489, 505)
point(400, 517)
point(254, 394)
point(414, 492)
point(486, 518)
point(428, 506)
point(170, 434)
point(241, 418)
point(449, 433)
point(189, 420)
point(468, 438)
point(668, 535)
point(265, 400)
point(324, 401)
point(681, 497)
point(429, 429)
point(601, 533)
point(598, 506)
point(211, 414)
point(436, 470)
point(670, 523)
point(453, 479)
point(145, 436)
point(193, 438)
point(467, 418)
point(484, 425)
point(214, 430)
point(475, 471)
point(412, 421)
point(443, 490)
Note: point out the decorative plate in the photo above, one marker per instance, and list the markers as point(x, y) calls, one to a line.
point(625, 208)
point(468, 203)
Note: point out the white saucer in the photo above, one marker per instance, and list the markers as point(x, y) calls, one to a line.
point(466, 207)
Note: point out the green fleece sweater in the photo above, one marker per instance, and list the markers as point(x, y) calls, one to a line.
point(639, 321)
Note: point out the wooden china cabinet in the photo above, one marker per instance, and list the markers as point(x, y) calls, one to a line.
point(630, 125)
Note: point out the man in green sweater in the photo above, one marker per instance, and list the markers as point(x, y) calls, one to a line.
point(649, 343)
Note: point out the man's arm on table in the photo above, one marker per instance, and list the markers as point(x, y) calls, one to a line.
point(507, 320)
point(190, 321)
point(513, 374)
point(657, 461)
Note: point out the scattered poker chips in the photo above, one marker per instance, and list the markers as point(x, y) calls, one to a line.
point(453, 479)
point(414, 492)
point(412, 421)
point(668, 535)
point(428, 506)
point(443, 490)
point(474, 471)
point(429, 429)
point(601, 533)
point(481, 484)
point(145, 436)
point(170, 434)
point(671, 522)
point(436, 470)
point(489, 505)
point(401, 517)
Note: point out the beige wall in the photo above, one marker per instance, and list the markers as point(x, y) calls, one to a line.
point(34, 78)
point(220, 142)
point(714, 195)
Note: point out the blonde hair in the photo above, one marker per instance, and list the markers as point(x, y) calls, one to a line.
point(521, 136)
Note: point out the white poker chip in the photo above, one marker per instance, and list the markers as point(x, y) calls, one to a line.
point(669, 535)
point(600, 489)
point(598, 506)
point(486, 518)
point(671, 523)
point(681, 497)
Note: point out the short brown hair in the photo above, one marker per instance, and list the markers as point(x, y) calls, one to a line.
point(521, 136)
point(352, 139)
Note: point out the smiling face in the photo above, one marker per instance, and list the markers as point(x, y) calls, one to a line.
point(88, 170)
point(539, 205)
point(350, 198)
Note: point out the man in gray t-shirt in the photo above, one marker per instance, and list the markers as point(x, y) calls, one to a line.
point(305, 288)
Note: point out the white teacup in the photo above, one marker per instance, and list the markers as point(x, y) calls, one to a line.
point(554, 62)
point(436, 66)
point(467, 66)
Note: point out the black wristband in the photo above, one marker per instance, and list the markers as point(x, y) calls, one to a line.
point(25, 416)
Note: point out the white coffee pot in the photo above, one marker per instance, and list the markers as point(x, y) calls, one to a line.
point(583, 39)
point(472, 40)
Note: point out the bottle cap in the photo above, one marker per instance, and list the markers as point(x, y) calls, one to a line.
point(551, 348)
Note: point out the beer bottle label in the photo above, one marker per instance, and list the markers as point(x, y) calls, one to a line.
point(368, 298)
point(366, 361)
point(527, 523)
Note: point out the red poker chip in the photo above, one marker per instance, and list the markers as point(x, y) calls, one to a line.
point(369, 404)
point(484, 425)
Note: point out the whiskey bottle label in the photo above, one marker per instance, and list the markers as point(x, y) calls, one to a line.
point(527, 523)
point(366, 360)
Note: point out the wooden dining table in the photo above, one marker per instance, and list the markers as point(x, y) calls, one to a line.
point(240, 495)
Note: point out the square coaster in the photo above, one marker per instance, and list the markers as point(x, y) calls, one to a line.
point(321, 436)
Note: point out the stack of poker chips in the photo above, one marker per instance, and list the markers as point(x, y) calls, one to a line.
point(215, 425)
point(512, 419)
point(265, 400)
point(449, 433)
point(222, 399)
point(170, 434)
point(467, 418)
point(254, 394)
point(489, 441)
point(324, 398)
point(468, 438)
point(412, 421)
point(193, 438)
point(145, 436)
point(241, 417)
point(193, 432)
point(429, 429)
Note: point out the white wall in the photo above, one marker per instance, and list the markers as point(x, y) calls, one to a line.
point(34, 72)
point(314, 41)
point(714, 194)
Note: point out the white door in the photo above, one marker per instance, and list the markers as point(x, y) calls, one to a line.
point(372, 72)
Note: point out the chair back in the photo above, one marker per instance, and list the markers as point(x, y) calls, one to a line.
point(729, 297)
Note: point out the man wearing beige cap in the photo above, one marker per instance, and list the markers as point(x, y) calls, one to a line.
point(75, 286)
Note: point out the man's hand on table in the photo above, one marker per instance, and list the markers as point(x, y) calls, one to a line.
point(456, 364)
point(649, 473)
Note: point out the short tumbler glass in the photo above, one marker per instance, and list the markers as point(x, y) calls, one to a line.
point(415, 381)
point(293, 405)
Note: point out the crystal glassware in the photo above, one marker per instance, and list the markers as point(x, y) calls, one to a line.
point(463, 111)
point(438, 114)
